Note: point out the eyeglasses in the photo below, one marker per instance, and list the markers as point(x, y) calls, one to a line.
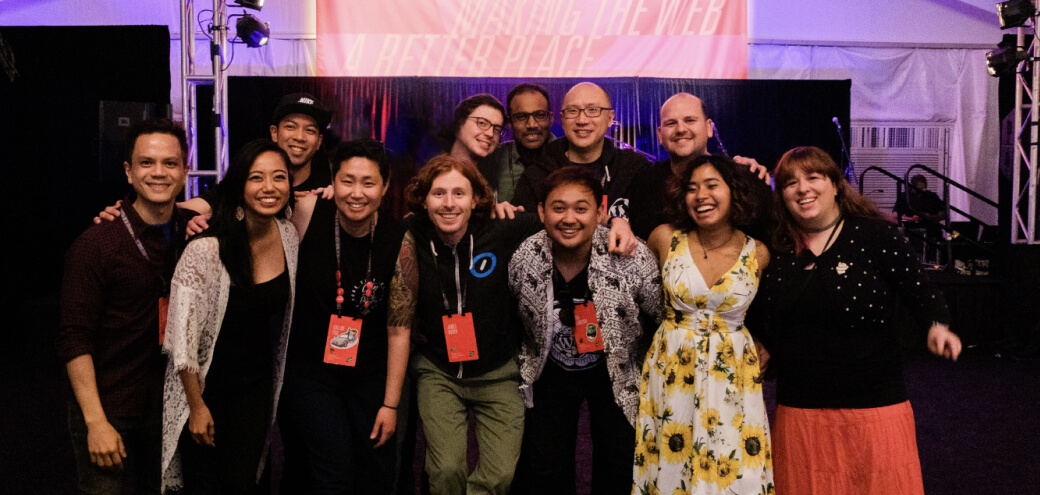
point(590, 112)
point(539, 116)
point(485, 124)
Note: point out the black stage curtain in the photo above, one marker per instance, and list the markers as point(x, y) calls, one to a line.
point(50, 133)
point(759, 119)
point(54, 183)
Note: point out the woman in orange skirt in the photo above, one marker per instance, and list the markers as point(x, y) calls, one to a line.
point(828, 316)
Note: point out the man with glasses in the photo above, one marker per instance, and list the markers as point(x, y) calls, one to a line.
point(531, 122)
point(477, 128)
point(587, 116)
point(580, 307)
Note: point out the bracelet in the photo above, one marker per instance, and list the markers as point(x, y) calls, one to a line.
point(390, 407)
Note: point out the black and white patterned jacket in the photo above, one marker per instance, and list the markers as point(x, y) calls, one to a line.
point(620, 287)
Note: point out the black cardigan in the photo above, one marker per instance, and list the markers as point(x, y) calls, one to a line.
point(833, 330)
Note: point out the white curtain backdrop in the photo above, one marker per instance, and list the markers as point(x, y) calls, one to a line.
point(909, 84)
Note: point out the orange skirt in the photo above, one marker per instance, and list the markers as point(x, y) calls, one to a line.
point(846, 451)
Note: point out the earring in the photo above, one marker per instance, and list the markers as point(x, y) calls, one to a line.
point(240, 214)
point(288, 212)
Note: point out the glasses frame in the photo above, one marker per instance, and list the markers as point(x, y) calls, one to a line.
point(522, 117)
point(578, 111)
point(485, 124)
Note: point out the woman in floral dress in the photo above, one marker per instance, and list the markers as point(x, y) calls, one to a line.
point(702, 425)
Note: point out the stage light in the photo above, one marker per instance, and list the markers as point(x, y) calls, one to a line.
point(250, 4)
point(1005, 59)
point(251, 31)
point(1015, 13)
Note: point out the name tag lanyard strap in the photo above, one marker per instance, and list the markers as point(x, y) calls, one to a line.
point(140, 247)
point(367, 299)
point(459, 284)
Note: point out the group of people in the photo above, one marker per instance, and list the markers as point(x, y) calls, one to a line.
point(517, 289)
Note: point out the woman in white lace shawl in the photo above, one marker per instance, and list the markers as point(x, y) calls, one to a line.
point(235, 281)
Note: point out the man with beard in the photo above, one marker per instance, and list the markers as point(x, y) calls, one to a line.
point(531, 121)
point(684, 132)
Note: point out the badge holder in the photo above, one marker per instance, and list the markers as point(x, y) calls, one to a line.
point(164, 311)
point(587, 333)
point(342, 343)
point(460, 338)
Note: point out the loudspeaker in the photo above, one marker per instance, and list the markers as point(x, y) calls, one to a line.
point(114, 121)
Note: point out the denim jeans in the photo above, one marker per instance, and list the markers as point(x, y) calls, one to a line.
point(142, 467)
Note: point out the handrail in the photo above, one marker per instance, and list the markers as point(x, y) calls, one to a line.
point(949, 181)
point(903, 187)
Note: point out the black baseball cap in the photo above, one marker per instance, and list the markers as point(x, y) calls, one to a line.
point(304, 103)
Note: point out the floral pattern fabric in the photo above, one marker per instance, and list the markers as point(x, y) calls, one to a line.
point(702, 426)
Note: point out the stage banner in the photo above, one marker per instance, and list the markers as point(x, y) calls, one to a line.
point(533, 38)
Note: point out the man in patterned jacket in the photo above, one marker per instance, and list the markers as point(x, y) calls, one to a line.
point(580, 307)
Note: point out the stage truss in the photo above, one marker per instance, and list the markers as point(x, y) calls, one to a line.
point(1024, 177)
point(191, 79)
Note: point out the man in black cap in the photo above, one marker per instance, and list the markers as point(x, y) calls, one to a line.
point(297, 127)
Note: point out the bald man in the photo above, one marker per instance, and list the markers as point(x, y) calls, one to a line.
point(587, 116)
point(684, 132)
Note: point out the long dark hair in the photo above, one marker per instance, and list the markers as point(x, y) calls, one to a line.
point(230, 232)
point(813, 160)
point(750, 205)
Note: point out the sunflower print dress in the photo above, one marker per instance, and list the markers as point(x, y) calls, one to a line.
point(702, 425)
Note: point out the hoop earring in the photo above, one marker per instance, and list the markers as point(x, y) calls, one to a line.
point(288, 212)
point(240, 214)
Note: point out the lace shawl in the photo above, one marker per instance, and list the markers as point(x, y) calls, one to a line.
point(198, 297)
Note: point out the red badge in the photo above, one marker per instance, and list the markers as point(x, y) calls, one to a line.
point(164, 309)
point(586, 329)
point(460, 337)
point(342, 343)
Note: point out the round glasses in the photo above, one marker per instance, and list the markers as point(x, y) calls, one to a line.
point(590, 112)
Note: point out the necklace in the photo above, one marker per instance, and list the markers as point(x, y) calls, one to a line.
point(825, 227)
point(723, 243)
point(369, 282)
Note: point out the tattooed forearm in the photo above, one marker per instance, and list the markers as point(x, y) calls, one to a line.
point(404, 289)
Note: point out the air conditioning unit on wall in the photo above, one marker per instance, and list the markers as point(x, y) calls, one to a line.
point(895, 147)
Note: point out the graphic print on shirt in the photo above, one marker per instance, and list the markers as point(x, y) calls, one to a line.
point(564, 350)
point(619, 208)
point(365, 298)
point(483, 265)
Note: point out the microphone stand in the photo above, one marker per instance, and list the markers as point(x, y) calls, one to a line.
point(850, 169)
point(715, 132)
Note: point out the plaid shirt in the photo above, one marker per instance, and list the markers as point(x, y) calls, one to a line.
point(109, 308)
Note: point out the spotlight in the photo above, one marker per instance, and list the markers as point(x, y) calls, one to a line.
point(1015, 13)
point(250, 4)
point(1003, 60)
point(251, 31)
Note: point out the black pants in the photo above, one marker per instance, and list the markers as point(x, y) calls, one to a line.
point(240, 422)
point(326, 431)
point(551, 431)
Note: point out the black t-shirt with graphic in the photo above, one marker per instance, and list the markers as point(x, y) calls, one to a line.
point(564, 351)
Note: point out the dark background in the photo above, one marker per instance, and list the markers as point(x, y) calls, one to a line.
point(59, 153)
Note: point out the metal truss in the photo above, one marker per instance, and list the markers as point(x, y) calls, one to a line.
point(1024, 179)
point(190, 80)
